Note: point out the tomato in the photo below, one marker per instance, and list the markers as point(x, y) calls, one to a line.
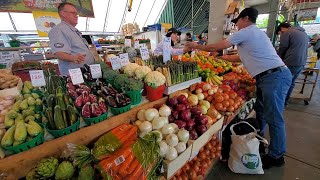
point(230, 109)
point(218, 155)
point(195, 159)
point(202, 149)
point(220, 90)
point(205, 94)
point(225, 96)
point(233, 95)
point(219, 148)
point(213, 143)
point(225, 103)
point(214, 138)
point(239, 99)
point(202, 156)
point(209, 146)
point(186, 167)
point(218, 106)
point(196, 169)
point(184, 177)
point(218, 99)
point(214, 149)
point(196, 163)
point(224, 109)
point(178, 172)
point(231, 101)
point(192, 174)
point(212, 155)
point(207, 152)
point(235, 106)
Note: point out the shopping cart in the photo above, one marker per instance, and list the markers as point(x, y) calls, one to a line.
point(310, 69)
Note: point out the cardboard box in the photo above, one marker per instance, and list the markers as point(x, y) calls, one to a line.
point(171, 167)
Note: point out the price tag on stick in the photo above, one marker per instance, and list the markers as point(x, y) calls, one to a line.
point(95, 71)
point(124, 59)
point(144, 53)
point(127, 42)
point(115, 63)
point(76, 76)
point(136, 44)
point(37, 78)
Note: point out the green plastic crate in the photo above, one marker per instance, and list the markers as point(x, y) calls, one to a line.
point(65, 131)
point(96, 120)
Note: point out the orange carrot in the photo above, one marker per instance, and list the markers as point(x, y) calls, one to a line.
point(137, 172)
point(131, 132)
point(133, 166)
point(120, 129)
point(108, 163)
point(124, 167)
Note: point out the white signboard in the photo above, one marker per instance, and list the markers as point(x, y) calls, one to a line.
point(127, 42)
point(7, 58)
point(76, 76)
point(124, 59)
point(115, 63)
point(37, 78)
point(144, 53)
point(95, 71)
point(166, 49)
point(136, 44)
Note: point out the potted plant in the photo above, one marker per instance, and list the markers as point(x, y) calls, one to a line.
point(154, 85)
point(14, 43)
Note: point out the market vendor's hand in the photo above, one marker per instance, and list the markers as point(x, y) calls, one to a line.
point(191, 45)
point(79, 58)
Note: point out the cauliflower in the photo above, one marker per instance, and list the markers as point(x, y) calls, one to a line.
point(130, 69)
point(155, 79)
point(141, 72)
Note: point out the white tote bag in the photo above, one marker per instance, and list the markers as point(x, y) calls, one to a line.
point(244, 152)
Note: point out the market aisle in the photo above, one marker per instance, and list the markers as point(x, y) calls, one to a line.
point(303, 154)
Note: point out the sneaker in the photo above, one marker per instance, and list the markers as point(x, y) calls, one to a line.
point(268, 162)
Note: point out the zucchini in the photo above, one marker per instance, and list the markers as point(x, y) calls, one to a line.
point(58, 118)
point(73, 118)
point(49, 115)
point(51, 101)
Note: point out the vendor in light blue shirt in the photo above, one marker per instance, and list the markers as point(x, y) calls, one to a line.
point(273, 80)
point(174, 34)
point(66, 41)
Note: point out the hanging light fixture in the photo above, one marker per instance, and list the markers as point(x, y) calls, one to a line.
point(130, 5)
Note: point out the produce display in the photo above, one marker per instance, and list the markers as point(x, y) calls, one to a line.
point(20, 118)
point(8, 81)
point(141, 41)
point(201, 164)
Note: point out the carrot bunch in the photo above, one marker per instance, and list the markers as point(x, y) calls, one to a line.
point(123, 135)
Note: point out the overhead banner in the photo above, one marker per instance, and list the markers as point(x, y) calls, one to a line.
point(307, 14)
point(45, 21)
point(84, 7)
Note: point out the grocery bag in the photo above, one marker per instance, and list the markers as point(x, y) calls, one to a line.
point(244, 157)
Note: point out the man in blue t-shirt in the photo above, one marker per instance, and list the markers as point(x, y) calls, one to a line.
point(273, 79)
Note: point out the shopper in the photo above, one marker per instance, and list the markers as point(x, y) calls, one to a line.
point(66, 42)
point(273, 79)
point(315, 42)
point(188, 37)
point(174, 34)
point(201, 41)
point(293, 50)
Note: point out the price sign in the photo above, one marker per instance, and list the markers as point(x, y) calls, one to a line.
point(115, 63)
point(136, 44)
point(127, 42)
point(76, 76)
point(124, 59)
point(37, 78)
point(95, 71)
point(192, 54)
point(144, 53)
point(166, 49)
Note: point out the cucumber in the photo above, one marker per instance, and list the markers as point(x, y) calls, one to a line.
point(49, 115)
point(73, 117)
point(58, 118)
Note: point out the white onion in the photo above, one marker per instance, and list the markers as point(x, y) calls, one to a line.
point(175, 127)
point(167, 129)
point(158, 123)
point(145, 126)
point(163, 148)
point(183, 135)
point(172, 140)
point(180, 147)
point(171, 154)
point(150, 114)
point(164, 111)
point(140, 115)
point(138, 122)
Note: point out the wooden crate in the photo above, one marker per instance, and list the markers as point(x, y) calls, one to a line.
point(18, 165)
point(171, 167)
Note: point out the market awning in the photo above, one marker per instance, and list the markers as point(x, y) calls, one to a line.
point(109, 16)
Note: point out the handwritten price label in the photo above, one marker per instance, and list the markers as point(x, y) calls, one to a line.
point(124, 59)
point(37, 78)
point(127, 42)
point(95, 71)
point(166, 49)
point(76, 76)
point(192, 54)
point(144, 53)
point(115, 63)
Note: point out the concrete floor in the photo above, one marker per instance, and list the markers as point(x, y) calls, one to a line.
point(303, 145)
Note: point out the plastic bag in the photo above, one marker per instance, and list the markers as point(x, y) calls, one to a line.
point(113, 140)
point(80, 155)
point(138, 160)
point(244, 152)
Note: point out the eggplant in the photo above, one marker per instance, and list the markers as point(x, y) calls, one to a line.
point(113, 89)
point(87, 68)
point(111, 102)
point(83, 70)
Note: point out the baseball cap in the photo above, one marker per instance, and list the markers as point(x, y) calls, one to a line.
point(252, 13)
point(172, 30)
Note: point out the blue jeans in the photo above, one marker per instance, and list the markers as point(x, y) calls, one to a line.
point(272, 90)
point(295, 71)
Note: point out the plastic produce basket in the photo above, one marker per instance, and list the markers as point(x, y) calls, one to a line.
point(27, 145)
point(65, 131)
point(96, 120)
point(135, 96)
point(116, 111)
